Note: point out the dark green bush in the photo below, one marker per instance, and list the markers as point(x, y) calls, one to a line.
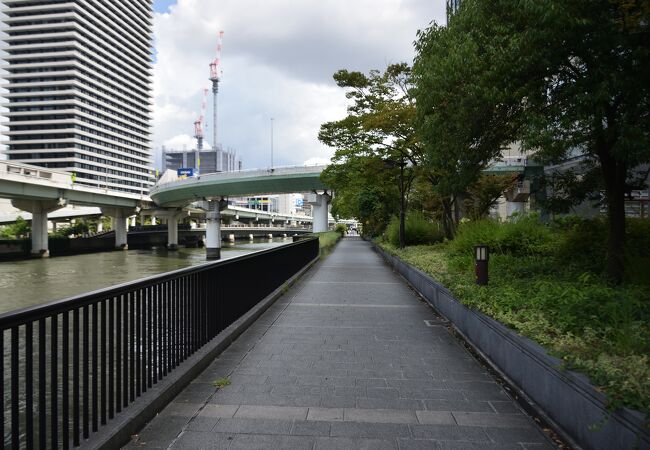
point(418, 230)
point(582, 244)
point(600, 330)
point(520, 236)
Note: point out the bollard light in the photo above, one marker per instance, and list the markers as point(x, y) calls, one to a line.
point(481, 257)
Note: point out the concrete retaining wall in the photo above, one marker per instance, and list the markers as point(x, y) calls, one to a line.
point(564, 397)
point(20, 248)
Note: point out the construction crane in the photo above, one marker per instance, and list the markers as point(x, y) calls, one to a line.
point(215, 72)
point(198, 130)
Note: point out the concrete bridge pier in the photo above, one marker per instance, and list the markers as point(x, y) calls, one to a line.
point(172, 216)
point(213, 228)
point(320, 211)
point(119, 217)
point(172, 232)
point(39, 210)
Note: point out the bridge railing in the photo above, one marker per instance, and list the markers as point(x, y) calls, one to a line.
point(73, 365)
point(281, 170)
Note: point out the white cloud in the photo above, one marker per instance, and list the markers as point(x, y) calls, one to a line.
point(278, 61)
point(183, 142)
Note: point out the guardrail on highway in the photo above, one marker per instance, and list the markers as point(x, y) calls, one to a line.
point(25, 173)
point(284, 170)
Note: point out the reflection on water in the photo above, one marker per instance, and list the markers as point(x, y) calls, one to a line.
point(36, 281)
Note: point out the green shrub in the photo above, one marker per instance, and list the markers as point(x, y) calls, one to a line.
point(638, 237)
point(341, 228)
point(520, 236)
point(582, 244)
point(327, 240)
point(418, 230)
point(546, 283)
point(17, 230)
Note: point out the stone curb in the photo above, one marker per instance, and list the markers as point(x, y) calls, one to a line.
point(564, 398)
point(119, 431)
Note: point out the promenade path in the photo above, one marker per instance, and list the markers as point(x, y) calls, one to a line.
point(349, 358)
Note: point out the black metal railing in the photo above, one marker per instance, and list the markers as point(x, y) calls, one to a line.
point(71, 366)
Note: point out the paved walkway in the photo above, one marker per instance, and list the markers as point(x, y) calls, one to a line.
point(349, 358)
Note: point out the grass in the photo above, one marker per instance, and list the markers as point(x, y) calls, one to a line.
point(221, 382)
point(563, 304)
point(327, 240)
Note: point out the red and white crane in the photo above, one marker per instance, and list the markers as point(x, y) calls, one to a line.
point(198, 130)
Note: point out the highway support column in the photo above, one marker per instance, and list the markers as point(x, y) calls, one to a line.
point(119, 217)
point(213, 228)
point(320, 211)
point(172, 216)
point(39, 210)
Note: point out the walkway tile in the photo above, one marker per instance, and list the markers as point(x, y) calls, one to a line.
point(271, 412)
point(337, 443)
point(329, 414)
point(380, 416)
point(348, 358)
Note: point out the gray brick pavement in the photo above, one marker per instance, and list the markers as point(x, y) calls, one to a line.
point(345, 360)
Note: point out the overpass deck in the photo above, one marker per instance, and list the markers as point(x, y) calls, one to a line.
point(347, 358)
point(26, 182)
point(245, 182)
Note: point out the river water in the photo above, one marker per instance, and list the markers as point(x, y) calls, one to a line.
point(36, 281)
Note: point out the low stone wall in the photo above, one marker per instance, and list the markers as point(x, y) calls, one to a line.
point(20, 248)
point(567, 399)
point(14, 249)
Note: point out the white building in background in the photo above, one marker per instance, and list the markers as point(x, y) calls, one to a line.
point(280, 203)
point(78, 82)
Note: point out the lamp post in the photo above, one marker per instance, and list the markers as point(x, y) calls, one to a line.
point(272, 119)
point(390, 163)
point(481, 257)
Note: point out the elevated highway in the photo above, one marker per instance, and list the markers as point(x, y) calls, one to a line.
point(39, 191)
point(209, 192)
point(281, 180)
point(22, 182)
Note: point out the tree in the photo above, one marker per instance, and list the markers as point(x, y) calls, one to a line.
point(364, 190)
point(484, 193)
point(463, 124)
point(377, 130)
point(564, 78)
point(18, 230)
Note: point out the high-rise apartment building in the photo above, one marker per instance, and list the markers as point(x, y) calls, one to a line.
point(78, 85)
point(452, 7)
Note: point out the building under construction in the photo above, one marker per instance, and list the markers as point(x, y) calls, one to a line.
point(200, 159)
point(209, 161)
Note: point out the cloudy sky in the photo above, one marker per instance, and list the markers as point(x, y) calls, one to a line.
point(278, 59)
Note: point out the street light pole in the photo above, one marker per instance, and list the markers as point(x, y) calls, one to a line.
point(391, 163)
point(272, 142)
point(402, 212)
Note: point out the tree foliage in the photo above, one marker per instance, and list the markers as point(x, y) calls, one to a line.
point(364, 191)
point(379, 121)
point(17, 230)
point(483, 194)
point(378, 129)
point(574, 83)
